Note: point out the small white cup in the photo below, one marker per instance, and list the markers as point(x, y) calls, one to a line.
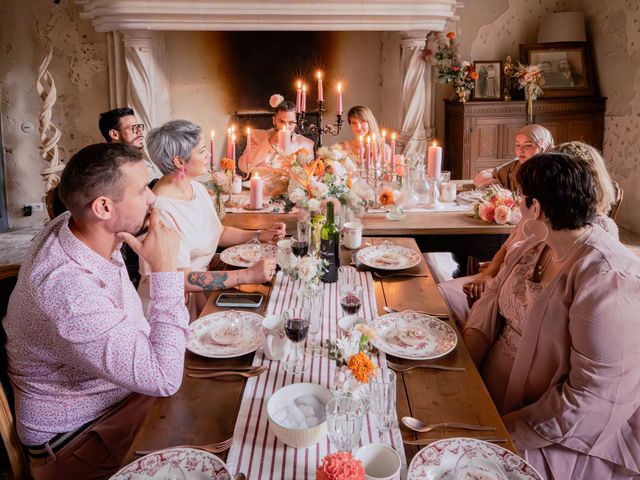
point(449, 192)
point(276, 344)
point(381, 462)
point(352, 232)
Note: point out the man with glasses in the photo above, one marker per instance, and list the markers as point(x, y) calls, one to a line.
point(122, 126)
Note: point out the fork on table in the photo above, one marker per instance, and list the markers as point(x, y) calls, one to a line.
point(211, 447)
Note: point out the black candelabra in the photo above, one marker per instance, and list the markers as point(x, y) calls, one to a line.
point(304, 128)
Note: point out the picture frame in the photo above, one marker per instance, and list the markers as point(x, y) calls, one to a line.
point(567, 67)
point(489, 84)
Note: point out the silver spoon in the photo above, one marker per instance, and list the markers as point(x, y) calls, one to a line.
point(420, 426)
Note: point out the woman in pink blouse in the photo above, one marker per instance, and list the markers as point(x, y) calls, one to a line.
point(557, 333)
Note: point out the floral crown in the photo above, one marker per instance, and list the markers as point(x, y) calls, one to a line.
point(275, 100)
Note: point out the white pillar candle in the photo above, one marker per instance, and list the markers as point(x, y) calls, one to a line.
point(237, 184)
point(284, 139)
point(255, 192)
point(434, 162)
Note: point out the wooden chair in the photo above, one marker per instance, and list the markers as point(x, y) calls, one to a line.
point(616, 206)
point(14, 450)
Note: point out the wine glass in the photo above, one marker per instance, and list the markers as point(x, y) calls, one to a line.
point(300, 243)
point(382, 388)
point(344, 422)
point(350, 292)
point(313, 299)
point(296, 327)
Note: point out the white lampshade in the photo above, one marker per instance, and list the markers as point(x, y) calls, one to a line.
point(562, 27)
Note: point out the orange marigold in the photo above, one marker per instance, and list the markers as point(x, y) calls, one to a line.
point(387, 197)
point(361, 366)
point(349, 182)
point(451, 35)
point(227, 164)
point(474, 75)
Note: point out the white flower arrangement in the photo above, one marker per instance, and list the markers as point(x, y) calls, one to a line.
point(275, 100)
point(307, 269)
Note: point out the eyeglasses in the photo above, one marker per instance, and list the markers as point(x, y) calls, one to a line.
point(136, 128)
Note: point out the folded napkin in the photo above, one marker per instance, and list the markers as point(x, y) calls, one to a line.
point(420, 270)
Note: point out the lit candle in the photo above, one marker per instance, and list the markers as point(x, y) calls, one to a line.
point(213, 149)
point(434, 162)
point(303, 103)
point(228, 143)
point(368, 154)
point(383, 152)
point(339, 102)
point(298, 96)
point(237, 184)
point(255, 192)
point(233, 148)
point(393, 153)
point(361, 150)
point(374, 151)
point(248, 148)
point(320, 90)
point(283, 139)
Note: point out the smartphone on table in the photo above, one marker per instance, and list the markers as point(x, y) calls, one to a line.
point(242, 300)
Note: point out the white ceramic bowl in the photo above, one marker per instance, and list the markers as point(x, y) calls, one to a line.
point(381, 462)
point(298, 437)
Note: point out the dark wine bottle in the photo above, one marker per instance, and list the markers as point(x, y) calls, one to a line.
point(330, 247)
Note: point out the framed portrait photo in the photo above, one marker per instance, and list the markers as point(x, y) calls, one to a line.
point(488, 86)
point(566, 67)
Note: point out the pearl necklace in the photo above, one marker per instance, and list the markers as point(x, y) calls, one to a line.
point(544, 263)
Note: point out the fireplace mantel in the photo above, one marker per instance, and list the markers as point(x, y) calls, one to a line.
point(284, 15)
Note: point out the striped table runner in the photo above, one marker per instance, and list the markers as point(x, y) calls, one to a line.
point(255, 450)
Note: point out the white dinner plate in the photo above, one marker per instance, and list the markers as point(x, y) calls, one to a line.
point(437, 461)
point(249, 339)
point(195, 464)
point(469, 197)
point(389, 257)
point(414, 336)
point(247, 254)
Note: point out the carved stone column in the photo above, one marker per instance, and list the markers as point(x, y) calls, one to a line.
point(147, 86)
point(417, 95)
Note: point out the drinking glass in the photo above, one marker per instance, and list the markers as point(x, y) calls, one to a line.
point(296, 327)
point(382, 391)
point(313, 299)
point(300, 243)
point(350, 292)
point(445, 176)
point(344, 422)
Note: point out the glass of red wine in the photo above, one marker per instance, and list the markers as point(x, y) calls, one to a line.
point(296, 328)
point(349, 290)
point(300, 243)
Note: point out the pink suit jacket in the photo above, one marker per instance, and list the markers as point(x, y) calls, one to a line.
point(575, 380)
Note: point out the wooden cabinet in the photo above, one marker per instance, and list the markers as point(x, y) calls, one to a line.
point(480, 135)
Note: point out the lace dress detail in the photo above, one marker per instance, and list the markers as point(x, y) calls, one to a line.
point(515, 298)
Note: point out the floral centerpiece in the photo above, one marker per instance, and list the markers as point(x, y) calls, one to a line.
point(340, 466)
point(442, 51)
point(307, 269)
point(354, 367)
point(390, 198)
point(498, 206)
point(529, 77)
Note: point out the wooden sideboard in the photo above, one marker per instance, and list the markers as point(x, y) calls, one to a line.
point(480, 135)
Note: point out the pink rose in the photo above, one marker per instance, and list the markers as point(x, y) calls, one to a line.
point(502, 214)
point(486, 212)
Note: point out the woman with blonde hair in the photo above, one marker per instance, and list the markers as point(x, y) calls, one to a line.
point(529, 141)
point(363, 123)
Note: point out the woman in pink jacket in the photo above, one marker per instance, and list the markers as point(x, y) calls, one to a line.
point(557, 332)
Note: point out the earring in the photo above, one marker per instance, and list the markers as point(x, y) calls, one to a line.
point(181, 172)
point(529, 236)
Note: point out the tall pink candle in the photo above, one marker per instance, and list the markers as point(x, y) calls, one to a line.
point(361, 150)
point(228, 143)
point(374, 150)
point(255, 192)
point(233, 148)
point(339, 102)
point(213, 149)
point(434, 162)
point(248, 148)
point(368, 153)
point(320, 89)
point(383, 151)
point(303, 103)
point(298, 96)
point(393, 153)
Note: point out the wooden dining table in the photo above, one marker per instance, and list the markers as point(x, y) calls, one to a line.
point(204, 411)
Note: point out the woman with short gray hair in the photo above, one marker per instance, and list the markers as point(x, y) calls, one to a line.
point(180, 152)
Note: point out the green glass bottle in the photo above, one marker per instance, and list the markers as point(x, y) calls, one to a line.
point(330, 247)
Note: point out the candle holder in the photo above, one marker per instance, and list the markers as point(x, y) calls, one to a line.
point(432, 202)
point(304, 129)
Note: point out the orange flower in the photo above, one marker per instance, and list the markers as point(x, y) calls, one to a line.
point(474, 75)
point(361, 366)
point(349, 182)
point(227, 164)
point(451, 35)
point(387, 197)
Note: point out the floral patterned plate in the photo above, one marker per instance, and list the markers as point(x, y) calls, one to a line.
point(204, 331)
point(247, 254)
point(389, 257)
point(195, 464)
point(414, 336)
point(438, 460)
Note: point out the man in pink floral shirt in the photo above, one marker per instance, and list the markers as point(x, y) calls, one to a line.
point(78, 342)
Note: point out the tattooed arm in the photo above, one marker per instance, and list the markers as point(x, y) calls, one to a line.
point(208, 281)
point(260, 272)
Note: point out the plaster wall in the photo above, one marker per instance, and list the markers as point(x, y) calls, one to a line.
point(79, 68)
